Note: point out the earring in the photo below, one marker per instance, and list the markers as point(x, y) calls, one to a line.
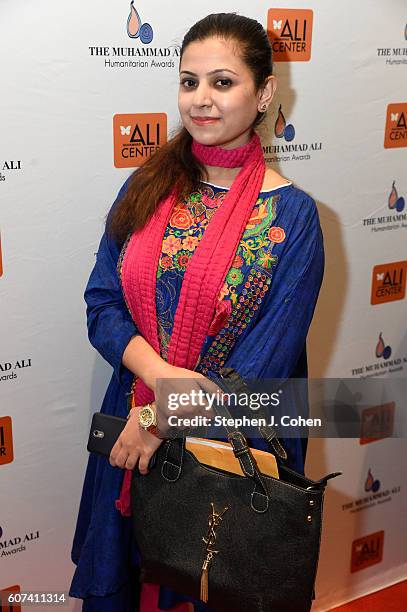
point(263, 108)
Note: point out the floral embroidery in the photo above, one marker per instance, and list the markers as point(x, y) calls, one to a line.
point(181, 218)
point(210, 202)
point(266, 259)
point(186, 228)
point(276, 234)
point(249, 302)
point(237, 262)
point(262, 217)
point(242, 291)
point(234, 276)
point(223, 292)
point(166, 262)
point(182, 260)
point(258, 215)
point(171, 245)
point(190, 243)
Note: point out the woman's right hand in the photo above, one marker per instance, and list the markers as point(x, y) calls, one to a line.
point(171, 383)
point(134, 445)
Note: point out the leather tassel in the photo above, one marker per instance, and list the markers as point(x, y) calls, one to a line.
point(204, 582)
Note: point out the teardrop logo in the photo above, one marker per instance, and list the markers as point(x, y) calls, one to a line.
point(282, 129)
point(371, 484)
point(395, 202)
point(136, 28)
point(381, 349)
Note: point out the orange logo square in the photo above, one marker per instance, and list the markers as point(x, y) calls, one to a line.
point(388, 282)
point(377, 423)
point(6, 440)
point(367, 551)
point(290, 34)
point(5, 605)
point(137, 137)
point(395, 134)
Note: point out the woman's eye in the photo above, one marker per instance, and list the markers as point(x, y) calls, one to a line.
point(221, 83)
point(188, 83)
point(224, 82)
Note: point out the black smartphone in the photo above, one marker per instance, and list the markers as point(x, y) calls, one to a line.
point(104, 431)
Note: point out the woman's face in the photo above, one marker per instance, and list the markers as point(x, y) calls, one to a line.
point(217, 100)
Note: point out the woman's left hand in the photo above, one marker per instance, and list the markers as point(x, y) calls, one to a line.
point(134, 444)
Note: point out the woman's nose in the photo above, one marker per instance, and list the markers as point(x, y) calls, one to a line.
point(202, 95)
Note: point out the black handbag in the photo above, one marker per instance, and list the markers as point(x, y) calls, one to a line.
point(239, 543)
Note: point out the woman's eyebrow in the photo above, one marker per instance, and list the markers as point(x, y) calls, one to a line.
point(209, 73)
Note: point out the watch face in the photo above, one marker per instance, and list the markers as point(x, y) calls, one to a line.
point(146, 416)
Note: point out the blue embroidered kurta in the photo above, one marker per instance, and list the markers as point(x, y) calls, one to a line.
point(272, 290)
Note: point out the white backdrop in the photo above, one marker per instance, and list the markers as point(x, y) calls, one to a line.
point(66, 73)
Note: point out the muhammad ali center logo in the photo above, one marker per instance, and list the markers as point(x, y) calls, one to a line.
point(395, 134)
point(137, 137)
point(377, 423)
point(290, 34)
point(6, 440)
point(367, 551)
point(388, 282)
point(5, 605)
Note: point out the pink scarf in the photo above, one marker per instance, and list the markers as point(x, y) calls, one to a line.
point(205, 273)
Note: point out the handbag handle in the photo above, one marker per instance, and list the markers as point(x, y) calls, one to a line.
point(267, 431)
point(259, 499)
point(171, 468)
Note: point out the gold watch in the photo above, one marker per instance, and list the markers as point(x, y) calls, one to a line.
point(148, 417)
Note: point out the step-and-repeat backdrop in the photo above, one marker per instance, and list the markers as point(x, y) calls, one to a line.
point(89, 91)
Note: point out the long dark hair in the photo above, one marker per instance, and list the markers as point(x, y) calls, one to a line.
point(174, 166)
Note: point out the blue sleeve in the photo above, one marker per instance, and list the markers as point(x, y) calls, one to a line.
point(110, 326)
point(276, 344)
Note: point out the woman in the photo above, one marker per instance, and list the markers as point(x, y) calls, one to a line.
point(245, 300)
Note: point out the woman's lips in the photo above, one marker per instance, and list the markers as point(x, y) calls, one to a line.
point(204, 120)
